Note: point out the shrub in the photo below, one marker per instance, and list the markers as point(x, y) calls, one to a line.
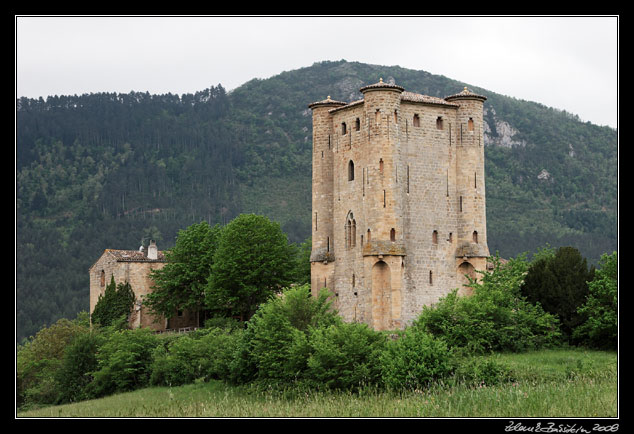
point(124, 362)
point(274, 344)
point(494, 318)
point(205, 355)
point(39, 359)
point(414, 360)
point(344, 356)
point(77, 366)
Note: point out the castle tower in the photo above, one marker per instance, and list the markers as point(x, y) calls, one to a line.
point(398, 201)
point(472, 251)
point(322, 253)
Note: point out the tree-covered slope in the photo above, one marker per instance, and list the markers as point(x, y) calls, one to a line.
point(106, 170)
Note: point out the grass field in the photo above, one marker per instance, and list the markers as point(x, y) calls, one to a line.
point(550, 383)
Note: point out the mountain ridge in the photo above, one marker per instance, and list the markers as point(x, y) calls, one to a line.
point(103, 170)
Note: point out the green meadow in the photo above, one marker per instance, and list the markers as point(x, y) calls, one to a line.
point(546, 383)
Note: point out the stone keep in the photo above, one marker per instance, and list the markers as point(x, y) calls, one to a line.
point(398, 201)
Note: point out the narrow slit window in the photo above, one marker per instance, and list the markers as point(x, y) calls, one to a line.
point(408, 178)
point(357, 124)
point(416, 121)
point(460, 203)
point(377, 116)
point(343, 129)
point(475, 237)
point(354, 233)
point(392, 234)
point(431, 277)
point(434, 237)
point(470, 124)
point(383, 198)
point(369, 235)
point(350, 171)
point(439, 123)
point(381, 166)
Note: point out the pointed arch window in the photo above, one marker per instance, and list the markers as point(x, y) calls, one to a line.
point(351, 231)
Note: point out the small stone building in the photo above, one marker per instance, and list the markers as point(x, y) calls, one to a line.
point(398, 201)
point(134, 266)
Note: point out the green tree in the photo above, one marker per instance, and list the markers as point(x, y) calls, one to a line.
point(40, 358)
point(600, 311)
point(559, 284)
point(181, 283)
point(253, 261)
point(115, 303)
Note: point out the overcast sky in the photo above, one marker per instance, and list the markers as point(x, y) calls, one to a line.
point(570, 63)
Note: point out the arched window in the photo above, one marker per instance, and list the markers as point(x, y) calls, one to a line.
point(103, 278)
point(392, 234)
point(416, 121)
point(434, 237)
point(381, 165)
point(369, 235)
point(350, 171)
point(343, 129)
point(377, 116)
point(395, 116)
point(439, 123)
point(351, 230)
point(475, 237)
point(470, 124)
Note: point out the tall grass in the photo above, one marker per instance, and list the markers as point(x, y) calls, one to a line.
point(553, 383)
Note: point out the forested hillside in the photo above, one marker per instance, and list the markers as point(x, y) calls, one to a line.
point(109, 170)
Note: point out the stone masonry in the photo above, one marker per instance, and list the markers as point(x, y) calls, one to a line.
point(134, 266)
point(398, 201)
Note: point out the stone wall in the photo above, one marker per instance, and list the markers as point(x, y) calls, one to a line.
point(398, 192)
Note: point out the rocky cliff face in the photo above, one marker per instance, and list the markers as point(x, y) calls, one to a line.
point(498, 132)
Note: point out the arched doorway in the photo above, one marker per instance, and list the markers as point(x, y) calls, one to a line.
point(465, 269)
point(381, 296)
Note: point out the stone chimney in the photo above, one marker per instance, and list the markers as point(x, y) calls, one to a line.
point(152, 250)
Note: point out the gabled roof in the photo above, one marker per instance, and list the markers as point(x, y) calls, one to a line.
point(130, 256)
